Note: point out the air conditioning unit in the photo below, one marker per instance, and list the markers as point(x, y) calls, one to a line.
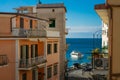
point(101, 63)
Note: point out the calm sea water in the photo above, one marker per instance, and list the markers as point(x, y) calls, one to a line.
point(83, 45)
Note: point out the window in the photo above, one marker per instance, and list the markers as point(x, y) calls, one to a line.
point(49, 48)
point(49, 72)
point(31, 23)
point(55, 69)
point(52, 23)
point(21, 23)
point(3, 60)
point(24, 76)
point(53, 10)
point(55, 48)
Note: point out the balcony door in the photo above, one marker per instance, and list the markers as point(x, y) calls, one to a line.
point(34, 53)
point(34, 74)
point(24, 52)
point(24, 76)
point(31, 24)
point(34, 50)
point(24, 61)
point(21, 23)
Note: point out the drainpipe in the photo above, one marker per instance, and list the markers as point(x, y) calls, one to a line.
point(111, 40)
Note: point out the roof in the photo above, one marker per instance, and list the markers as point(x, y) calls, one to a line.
point(102, 11)
point(57, 5)
point(20, 14)
point(101, 6)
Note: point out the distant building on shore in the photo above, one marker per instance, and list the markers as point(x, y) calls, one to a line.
point(104, 35)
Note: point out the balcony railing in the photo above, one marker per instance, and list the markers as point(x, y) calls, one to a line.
point(66, 30)
point(34, 33)
point(28, 32)
point(31, 62)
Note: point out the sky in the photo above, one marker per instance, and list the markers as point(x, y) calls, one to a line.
point(82, 20)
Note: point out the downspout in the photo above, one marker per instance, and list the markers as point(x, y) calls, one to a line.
point(111, 41)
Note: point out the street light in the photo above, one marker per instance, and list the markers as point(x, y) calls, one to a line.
point(95, 37)
point(97, 33)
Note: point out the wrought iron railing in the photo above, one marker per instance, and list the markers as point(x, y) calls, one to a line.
point(31, 62)
point(28, 32)
point(66, 30)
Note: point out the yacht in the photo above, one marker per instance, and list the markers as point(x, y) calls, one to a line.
point(75, 54)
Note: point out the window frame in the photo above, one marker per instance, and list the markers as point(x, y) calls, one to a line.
point(49, 72)
point(55, 47)
point(31, 24)
point(49, 48)
point(52, 23)
point(55, 67)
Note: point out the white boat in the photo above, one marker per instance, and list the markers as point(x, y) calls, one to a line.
point(75, 54)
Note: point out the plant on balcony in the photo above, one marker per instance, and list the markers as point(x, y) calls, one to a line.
point(95, 52)
point(105, 49)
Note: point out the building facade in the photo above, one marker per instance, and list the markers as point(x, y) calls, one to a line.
point(38, 36)
point(21, 47)
point(110, 14)
point(55, 13)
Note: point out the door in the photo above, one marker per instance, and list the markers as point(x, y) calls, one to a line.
point(24, 76)
point(21, 23)
point(24, 57)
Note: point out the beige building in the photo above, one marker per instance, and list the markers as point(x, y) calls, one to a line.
point(110, 14)
point(56, 30)
point(56, 14)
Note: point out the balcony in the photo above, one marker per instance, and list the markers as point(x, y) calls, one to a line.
point(28, 64)
point(30, 33)
point(102, 11)
point(66, 30)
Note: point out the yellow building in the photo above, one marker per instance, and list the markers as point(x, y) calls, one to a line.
point(110, 14)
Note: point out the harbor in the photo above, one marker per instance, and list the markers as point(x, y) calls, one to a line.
point(82, 64)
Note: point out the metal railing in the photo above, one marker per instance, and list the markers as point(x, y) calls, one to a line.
point(36, 32)
point(30, 62)
point(28, 32)
point(18, 32)
point(66, 30)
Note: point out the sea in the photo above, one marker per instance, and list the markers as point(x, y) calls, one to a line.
point(82, 45)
